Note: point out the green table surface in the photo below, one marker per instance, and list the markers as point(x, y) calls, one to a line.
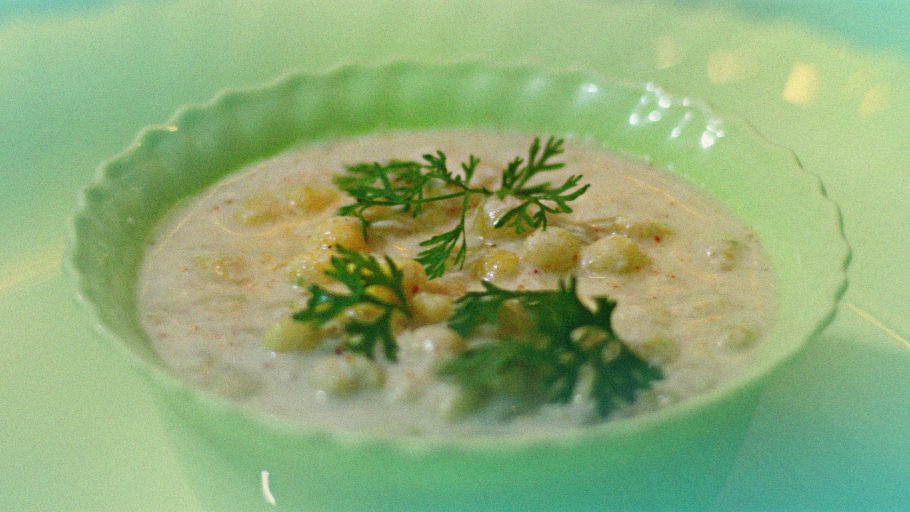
point(830, 80)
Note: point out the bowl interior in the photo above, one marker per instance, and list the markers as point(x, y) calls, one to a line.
point(762, 183)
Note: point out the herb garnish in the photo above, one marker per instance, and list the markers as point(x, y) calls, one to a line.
point(374, 287)
point(546, 363)
point(409, 185)
point(562, 347)
point(536, 200)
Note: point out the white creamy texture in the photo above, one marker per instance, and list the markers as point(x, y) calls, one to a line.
point(216, 277)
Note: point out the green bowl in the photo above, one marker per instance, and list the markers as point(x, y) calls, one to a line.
point(674, 458)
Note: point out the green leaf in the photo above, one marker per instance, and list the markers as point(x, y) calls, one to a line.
point(409, 185)
point(363, 276)
point(547, 362)
point(536, 201)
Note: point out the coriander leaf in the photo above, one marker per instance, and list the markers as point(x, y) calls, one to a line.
point(439, 248)
point(399, 184)
point(492, 368)
point(476, 309)
point(536, 201)
point(403, 184)
point(515, 176)
point(409, 185)
point(545, 364)
point(369, 285)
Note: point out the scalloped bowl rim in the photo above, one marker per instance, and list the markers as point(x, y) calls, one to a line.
point(176, 387)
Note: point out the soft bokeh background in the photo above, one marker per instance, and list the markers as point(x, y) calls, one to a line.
point(828, 79)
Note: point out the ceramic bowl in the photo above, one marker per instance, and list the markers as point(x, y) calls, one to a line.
point(242, 460)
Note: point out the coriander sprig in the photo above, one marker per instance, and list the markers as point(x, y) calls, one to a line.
point(372, 286)
point(439, 247)
point(546, 363)
point(408, 186)
point(404, 185)
point(536, 201)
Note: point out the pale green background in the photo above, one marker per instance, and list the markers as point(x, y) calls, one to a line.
point(79, 79)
